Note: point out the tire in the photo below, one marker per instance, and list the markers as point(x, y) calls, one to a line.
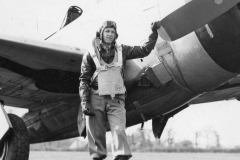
point(16, 145)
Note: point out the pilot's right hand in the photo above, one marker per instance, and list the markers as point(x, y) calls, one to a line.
point(86, 109)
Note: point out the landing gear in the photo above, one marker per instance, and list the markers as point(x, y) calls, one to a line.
point(16, 145)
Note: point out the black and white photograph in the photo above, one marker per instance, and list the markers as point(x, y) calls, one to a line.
point(119, 79)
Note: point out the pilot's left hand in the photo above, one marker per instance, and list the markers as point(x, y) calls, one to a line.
point(155, 25)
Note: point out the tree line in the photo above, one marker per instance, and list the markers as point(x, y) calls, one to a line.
point(141, 141)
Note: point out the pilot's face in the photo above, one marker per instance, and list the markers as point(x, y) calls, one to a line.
point(109, 35)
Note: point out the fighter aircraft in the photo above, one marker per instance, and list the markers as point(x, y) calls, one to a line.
point(196, 60)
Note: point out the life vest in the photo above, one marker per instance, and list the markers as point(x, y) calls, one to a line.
point(110, 76)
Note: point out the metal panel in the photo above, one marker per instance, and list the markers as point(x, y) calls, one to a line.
point(161, 73)
point(158, 75)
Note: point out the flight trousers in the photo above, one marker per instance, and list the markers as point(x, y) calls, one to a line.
point(107, 111)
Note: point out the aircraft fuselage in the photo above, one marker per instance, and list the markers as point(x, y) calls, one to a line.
point(198, 62)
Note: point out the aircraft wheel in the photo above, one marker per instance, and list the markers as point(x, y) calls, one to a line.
point(16, 145)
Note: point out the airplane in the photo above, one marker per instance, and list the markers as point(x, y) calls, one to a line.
point(194, 64)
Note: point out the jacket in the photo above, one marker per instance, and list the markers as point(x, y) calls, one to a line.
point(88, 66)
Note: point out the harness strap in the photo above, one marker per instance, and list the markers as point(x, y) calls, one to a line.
point(119, 50)
point(95, 53)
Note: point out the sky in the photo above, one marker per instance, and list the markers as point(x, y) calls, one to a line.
point(37, 19)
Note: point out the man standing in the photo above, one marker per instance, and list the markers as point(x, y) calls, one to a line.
point(102, 89)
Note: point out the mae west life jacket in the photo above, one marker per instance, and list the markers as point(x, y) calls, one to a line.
point(109, 76)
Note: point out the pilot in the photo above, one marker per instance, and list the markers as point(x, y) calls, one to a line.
point(102, 89)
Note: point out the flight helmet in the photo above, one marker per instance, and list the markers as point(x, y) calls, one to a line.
point(107, 24)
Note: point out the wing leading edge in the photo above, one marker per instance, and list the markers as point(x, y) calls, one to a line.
point(35, 73)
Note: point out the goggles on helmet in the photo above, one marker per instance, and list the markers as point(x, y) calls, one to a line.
point(109, 24)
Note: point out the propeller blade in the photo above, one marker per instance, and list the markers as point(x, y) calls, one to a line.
point(192, 16)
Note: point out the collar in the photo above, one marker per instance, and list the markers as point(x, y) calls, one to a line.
point(105, 47)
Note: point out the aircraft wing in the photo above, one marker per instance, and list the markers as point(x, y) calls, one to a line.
point(229, 91)
point(43, 78)
point(36, 73)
